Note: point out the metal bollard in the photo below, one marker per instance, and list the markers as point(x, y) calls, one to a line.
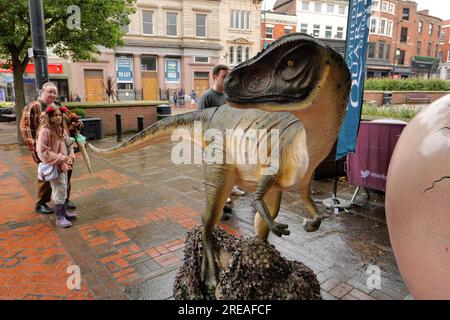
point(119, 127)
point(140, 122)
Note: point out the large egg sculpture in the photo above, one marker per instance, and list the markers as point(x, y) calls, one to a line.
point(418, 202)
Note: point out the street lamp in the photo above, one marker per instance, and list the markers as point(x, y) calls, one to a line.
point(397, 56)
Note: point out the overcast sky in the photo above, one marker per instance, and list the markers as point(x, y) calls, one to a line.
point(438, 8)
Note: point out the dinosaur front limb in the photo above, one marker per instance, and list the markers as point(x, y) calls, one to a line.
point(264, 185)
point(273, 200)
point(218, 184)
point(310, 225)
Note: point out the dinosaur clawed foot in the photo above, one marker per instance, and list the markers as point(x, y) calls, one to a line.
point(209, 271)
point(312, 225)
point(279, 229)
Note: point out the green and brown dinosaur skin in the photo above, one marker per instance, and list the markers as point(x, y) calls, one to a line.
point(298, 86)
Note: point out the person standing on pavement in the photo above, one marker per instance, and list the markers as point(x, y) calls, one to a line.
point(216, 97)
point(55, 148)
point(29, 124)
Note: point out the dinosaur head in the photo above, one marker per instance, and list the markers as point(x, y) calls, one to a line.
point(286, 76)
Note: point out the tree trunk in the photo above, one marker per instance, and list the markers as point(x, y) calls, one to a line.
point(19, 92)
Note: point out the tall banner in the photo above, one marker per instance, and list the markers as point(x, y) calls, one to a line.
point(355, 56)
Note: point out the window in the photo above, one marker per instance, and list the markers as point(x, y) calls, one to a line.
point(430, 31)
point(373, 25)
point(171, 24)
point(442, 37)
point(269, 32)
point(429, 49)
point(341, 9)
point(405, 14)
point(330, 8)
point(371, 50)
point(448, 56)
point(287, 31)
point(420, 27)
point(388, 52)
point(317, 7)
point(231, 55)
point(448, 74)
point(340, 33)
point(401, 57)
point(240, 19)
point(247, 53)
point(391, 8)
point(247, 20)
point(316, 30)
point(201, 59)
point(304, 28)
point(305, 5)
point(125, 28)
point(389, 28)
point(376, 5)
point(381, 50)
point(385, 6)
point(147, 22)
point(200, 25)
point(148, 63)
point(382, 26)
point(440, 56)
point(436, 51)
point(419, 46)
point(239, 54)
point(328, 31)
point(232, 18)
point(404, 35)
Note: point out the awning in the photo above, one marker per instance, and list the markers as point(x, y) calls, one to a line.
point(55, 68)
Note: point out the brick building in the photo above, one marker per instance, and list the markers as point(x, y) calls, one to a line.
point(275, 25)
point(403, 42)
point(323, 19)
point(444, 51)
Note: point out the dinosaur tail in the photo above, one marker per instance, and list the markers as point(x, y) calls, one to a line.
point(158, 131)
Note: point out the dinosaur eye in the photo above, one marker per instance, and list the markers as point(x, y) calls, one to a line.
point(297, 63)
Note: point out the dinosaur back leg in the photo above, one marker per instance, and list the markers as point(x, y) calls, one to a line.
point(219, 180)
point(272, 200)
point(305, 192)
point(264, 186)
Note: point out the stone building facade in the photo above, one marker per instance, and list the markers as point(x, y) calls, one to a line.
point(173, 45)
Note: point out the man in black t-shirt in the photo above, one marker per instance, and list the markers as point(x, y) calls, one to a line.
point(215, 97)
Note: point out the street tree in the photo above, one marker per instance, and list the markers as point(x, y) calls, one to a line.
point(72, 34)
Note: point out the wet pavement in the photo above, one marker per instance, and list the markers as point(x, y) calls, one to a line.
point(133, 215)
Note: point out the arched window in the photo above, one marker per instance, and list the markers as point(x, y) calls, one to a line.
point(239, 54)
point(231, 55)
point(247, 53)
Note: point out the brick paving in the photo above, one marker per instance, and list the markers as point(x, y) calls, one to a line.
point(133, 217)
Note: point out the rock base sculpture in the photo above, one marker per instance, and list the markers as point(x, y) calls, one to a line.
point(250, 269)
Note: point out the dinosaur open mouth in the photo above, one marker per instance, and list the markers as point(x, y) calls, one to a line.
point(275, 98)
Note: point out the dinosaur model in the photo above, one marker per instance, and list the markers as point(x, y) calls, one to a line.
point(297, 85)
